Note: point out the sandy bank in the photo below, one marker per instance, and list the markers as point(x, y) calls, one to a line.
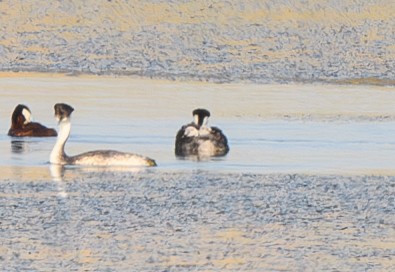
point(253, 41)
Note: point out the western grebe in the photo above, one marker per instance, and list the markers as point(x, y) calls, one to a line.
point(198, 139)
point(22, 126)
point(96, 158)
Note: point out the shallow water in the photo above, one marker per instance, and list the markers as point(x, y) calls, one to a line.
point(318, 129)
point(308, 183)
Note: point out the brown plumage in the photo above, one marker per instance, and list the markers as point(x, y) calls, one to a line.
point(21, 126)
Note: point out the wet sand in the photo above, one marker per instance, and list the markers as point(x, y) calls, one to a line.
point(200, 221)
point(308, 183)
point(226, 41)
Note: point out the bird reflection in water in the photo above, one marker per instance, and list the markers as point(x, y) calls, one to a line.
point(57, 174)
point(19, 146)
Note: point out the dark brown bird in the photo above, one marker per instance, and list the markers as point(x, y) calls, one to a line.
point(22, 126)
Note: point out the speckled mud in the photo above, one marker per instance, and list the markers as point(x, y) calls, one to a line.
point(198, 220)
point(220, 41)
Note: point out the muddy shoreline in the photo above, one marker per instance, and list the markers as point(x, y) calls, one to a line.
point(199, 221)
point(239, 41)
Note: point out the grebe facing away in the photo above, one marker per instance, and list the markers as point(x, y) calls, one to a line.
point(198, 139)
point(92, 158)
point(21, 125)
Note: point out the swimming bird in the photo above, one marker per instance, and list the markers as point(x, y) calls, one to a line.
point(22, 126)
point(198, 139)
point(92, 158)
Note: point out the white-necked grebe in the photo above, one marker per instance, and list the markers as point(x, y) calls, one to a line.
point(96, 158)
point(22, 126)
point(198, 139)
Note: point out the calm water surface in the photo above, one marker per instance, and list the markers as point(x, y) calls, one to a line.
point(308, 183)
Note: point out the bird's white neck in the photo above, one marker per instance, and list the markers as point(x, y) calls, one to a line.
point(57, 155)
point(196, 120)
